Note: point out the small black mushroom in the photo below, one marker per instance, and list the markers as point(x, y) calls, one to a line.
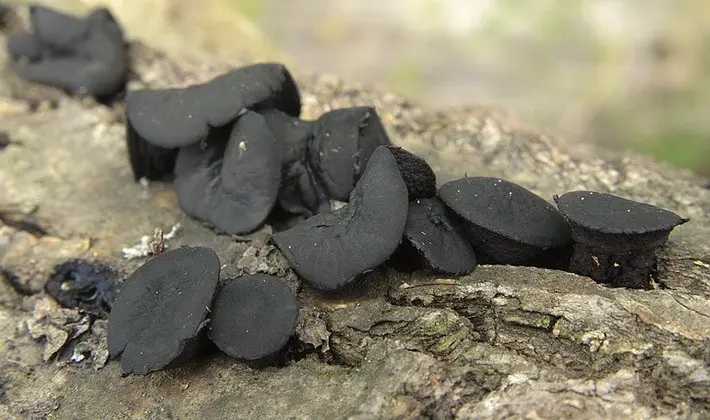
point(83, 285)
point(505, 221)
point(330, 250)
point(344, 140)
point(174, 118)
point(86, 56)
point(323, 159)
point(162, 308)
point(253, 317)
point(435, 234)
point(232, 187)
point(616, 238)
point(416, 172)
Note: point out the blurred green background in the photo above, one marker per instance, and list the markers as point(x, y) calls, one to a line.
point(632, 74)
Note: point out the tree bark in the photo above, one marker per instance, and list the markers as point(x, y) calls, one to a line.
point(501, 342)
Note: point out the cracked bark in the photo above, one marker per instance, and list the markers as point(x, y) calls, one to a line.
point(504, 341)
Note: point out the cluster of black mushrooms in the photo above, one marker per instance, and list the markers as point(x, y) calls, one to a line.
point(85, 56)
point(239, 156)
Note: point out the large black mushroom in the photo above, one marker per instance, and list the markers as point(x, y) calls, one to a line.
point(615, 239)
point(331, 250)
point(505, 221)
point(159, 122)
point(159, 315)
point(253, 317)
point(232, 186)
point(85, 56)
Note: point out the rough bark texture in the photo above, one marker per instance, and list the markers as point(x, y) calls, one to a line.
point(504, 341)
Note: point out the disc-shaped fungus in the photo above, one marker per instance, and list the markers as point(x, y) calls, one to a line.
point(161, 309)
point(253, 317)
point(85, 56)
point(179, 117)
point(344, 140)
point(436, 236)
point(505, 221)
point(616, 238)
point(158, 121)
point(232, 187)
point(416, 172)
point(330, 250)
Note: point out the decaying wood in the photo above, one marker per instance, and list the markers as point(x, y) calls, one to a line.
point(504, 341)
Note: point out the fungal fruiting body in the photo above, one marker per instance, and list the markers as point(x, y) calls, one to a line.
point(161, 310)
point(237, 147)
point(505, 221)
point(159, 122)
point(86, 56)
point(253, 317)
point(234, 187)
point(436, 236)
point(416, 172)
point(330, 250)
point(180, 117)
point(615, 239)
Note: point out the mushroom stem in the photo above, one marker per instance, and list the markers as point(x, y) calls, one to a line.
point(632, 269)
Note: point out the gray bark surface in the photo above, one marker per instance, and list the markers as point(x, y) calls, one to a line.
point(501, 342)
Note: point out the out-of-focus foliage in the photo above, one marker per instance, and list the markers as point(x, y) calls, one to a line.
point(627, 74)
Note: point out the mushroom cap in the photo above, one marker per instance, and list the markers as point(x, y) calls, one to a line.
point(25, 45)
point(506, 209)
point(253, 317)
point(504, 220)
point(436, 236)
point(416, 172)
point(609, 213)
point(56, 30)
point(615, 223)
point(174, 118)
point(344, 140)
point(232, 187)
point(87, 56)
point(162, 308)
point(329, 250)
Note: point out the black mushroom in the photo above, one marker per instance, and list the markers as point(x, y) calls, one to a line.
point(161, 121)
point(159, 315)
point(505, 221)
point(253, 317)
point(332, 249)
point(416, 172)
point(436, 236)
point(339, 146)
point(233, 186)
point(615, 239)
point(85, 56)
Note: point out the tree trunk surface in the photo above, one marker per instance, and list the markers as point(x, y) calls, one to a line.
point(502, 342)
